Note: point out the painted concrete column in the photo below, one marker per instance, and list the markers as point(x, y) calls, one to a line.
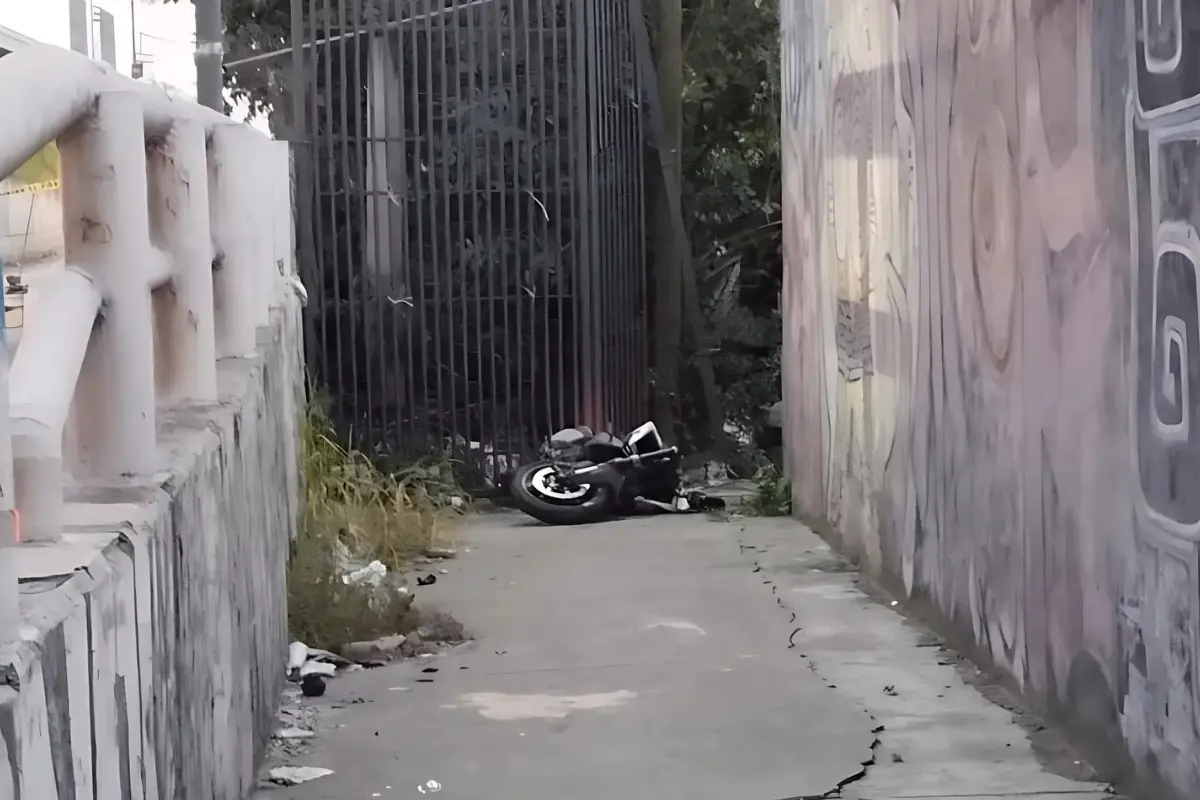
point(232, 200)
point(42, 383)
point(268, 186)
point(106, 231)
point(185, 352)
point(10, 612)
point(283, 211)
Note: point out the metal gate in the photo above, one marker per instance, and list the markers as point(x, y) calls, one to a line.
point(472, 222)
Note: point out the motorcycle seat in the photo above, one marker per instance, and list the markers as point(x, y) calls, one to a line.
point(607, 440)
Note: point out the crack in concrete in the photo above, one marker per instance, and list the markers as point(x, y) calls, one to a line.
point(836, 791)
point(839, 791)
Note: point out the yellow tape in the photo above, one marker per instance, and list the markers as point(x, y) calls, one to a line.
point(44, 186)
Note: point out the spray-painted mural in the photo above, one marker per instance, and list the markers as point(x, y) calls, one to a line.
point(992, 368)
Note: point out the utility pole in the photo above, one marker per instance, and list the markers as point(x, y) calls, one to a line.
point(210, 52)
point(668, 253)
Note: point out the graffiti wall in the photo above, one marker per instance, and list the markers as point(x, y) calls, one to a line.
point(992, 333)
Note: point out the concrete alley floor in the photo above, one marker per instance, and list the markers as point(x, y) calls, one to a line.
point(650, 658)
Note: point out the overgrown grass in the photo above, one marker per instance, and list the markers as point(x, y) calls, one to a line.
point(354, 510)
point(772, 494)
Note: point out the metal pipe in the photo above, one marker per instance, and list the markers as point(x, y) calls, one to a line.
point(42, 384)
point(46, 365)
point(46, 89)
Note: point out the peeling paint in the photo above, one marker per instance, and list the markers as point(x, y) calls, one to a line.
point(154, 672)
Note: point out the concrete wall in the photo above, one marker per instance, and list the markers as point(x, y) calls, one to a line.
point(30, 223)
point(991, 356)
point(154, 638)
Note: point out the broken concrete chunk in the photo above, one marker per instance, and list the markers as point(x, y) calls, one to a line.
point(386, 648)
point(294, 776)
point(293, 733)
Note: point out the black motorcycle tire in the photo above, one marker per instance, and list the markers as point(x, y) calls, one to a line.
point(594, 506)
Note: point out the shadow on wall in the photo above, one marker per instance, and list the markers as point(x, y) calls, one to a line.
point(992, 326)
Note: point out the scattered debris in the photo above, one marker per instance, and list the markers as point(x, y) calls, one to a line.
point(294, 776)
point(428, 580)
point(376, 651)
point(370, 575)
point(304, 661)
point(428, 787)
point(294, 733)
point(314, 667)
point(441, 552)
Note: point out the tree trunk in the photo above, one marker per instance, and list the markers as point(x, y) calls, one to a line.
point(668, 272)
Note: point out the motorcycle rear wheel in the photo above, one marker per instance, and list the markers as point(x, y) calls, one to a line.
point(534, 492)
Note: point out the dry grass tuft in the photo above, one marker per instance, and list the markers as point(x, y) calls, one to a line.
point(352, 507)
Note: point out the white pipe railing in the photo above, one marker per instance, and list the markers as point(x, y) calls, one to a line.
point(177, 229)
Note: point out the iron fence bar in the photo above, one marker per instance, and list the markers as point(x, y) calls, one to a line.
point(443, 287)
point(583, 330)
point(463, 255)
point(634, 238)
point(491, 20)
point(506, 278)
point(368, 347)
point(617, 224)
point(409, 199)
point(304, 244)
point(331, 162)
point(320, 286)
point(377, 208)
point(600, 216)
point(560, 246)
point(342, 142)
point(598, 395)
point(628, 187)
point(612, 162)
point(477, 252)
point(520, 97)
point(640, 216)
point(541, 282)
point(424, 165)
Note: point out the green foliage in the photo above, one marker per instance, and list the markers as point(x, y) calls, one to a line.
point(772, 494)
point(732, 191)
point(256, 26)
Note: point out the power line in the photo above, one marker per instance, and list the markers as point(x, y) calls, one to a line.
point(242, 62)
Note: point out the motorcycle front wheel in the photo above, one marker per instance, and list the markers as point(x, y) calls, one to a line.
point(537, 492)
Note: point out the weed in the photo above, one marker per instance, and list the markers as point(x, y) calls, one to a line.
point(353, 508)
point(772, 494)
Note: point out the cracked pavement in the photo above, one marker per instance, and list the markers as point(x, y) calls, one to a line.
point(672, 656)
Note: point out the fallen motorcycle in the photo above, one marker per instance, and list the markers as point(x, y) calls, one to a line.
point(583, 476)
